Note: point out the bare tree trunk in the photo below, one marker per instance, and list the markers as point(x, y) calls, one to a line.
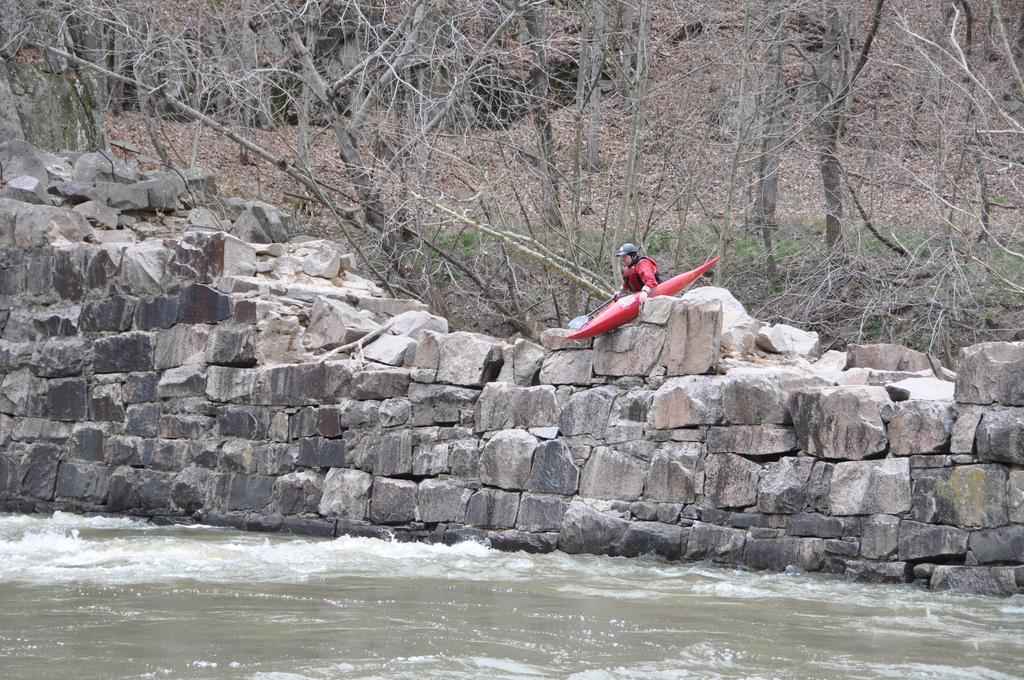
point(828, 131)
point(595, 59)
point(536, 23)
point(773, 93)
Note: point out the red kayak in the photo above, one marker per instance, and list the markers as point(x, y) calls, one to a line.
point(627, 308)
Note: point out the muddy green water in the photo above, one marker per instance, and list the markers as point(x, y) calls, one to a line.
point(115, 598)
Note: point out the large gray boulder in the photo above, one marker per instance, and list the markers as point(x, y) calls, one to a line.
point(840, 422)
point(714, 543)
point(920, 427)
point(468, 359)
point(393, 501)
point(693, 338)
point(886, 357)
point(870, 487)
point(739, 329)
point(778, 554)
point(506, 459)
point(503, 406)
point(553, 469)
point(612, 475)
point(588, 530)
point(730, 481)
point(686, 402)
point(994, 582)
point(783, 339)
point(333, 323)
point(442, 500)
point(781, 489)
point(346, 494)
point(25, 189)
point(493, 508)
point(991, 373)
point(413, 323)
point(966, 495)
point(927, 541)
point(540, 512)
point(1000, 437)
point(752, 440)
point(632, 350)
point(672, 477)
point(568, 367)
point(588, 412)
point(879, 538)
point(19, 158)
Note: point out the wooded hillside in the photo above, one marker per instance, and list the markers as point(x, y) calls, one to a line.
point(857, 164)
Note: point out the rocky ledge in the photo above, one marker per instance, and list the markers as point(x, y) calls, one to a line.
point(171, 354)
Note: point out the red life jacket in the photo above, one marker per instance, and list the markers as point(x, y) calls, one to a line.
point(643, 272)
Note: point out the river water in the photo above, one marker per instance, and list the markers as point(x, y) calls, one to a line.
point(118, 598)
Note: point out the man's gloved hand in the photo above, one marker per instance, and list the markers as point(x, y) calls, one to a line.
point(642, 296)
point(616, 296)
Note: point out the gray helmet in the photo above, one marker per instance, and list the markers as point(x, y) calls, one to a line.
point(627, 249)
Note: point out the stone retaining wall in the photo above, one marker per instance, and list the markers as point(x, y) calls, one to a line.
point(146, 379)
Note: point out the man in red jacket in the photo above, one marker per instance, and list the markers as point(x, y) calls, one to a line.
point(640, 273)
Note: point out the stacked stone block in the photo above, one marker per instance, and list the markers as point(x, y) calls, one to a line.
point(133, 380)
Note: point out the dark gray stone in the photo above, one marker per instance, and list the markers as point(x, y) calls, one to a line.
point(298, 493)
point(730, 480)
point(37, 471)
point(587, 530)
point(124, 353)
point(587, 412)
point(819, 485)
point(106, 404)
point(139, 489)
point(320, 452)
point(393, 501)
point(919, 541)
point(143, 420)
point(231, 345)
point(60, 358)
point(776, 554)
point(185, 427)
point(250, 492)
point(876, 572)
point(506, 459)
point(652, 538)
point(304, 423)
point(167, 455)
point(990, 581)
point(383, 384)
point(520, 541)
point(1000, 437)
point(201, 304)
point(672, 476)
point(780, 490)
point(67, 399)
point(714, 543)
point(821, 526)
point(1005, 544)
point(442, 500)
point(390, 454)
point(346, 493)
point(991, 373)
point(493, 508)
point(966, 496)
point(88, 444)
point(612, 475)
point(140, 388)
point(156, 313)
point(921, 426)
point(83, 482)
point(541, 512)
point(879, 538)
point(440, 404)
point(113, 314)
point(553, 470)
point(302, 384)
point(244, 422)
point(464, 459)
